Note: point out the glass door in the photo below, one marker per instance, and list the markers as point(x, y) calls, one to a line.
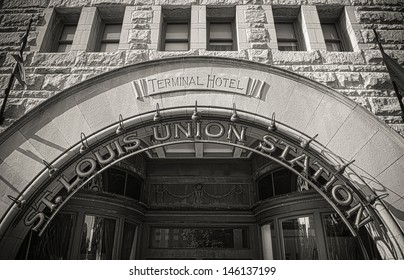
point(299, 238)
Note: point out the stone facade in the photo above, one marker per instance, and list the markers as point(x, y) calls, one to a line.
point(360, 75)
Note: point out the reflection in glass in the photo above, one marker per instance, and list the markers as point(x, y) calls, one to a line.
point(54, 242)
point(268, 242)
point(341, 244)
point(299, 239)
point(128, 249)
point(199, 238)
point(97, 239)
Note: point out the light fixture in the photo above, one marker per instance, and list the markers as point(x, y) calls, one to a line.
point(272, 123)
point(306, 143)
point(20, 202)
point(196, 115)
point(234, 117)
point(84, 143)
point(52, 170)
point(157, 116)
point(120, 127)
point(342, 168)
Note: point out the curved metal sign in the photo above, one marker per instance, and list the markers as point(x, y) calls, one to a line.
point(352, 207)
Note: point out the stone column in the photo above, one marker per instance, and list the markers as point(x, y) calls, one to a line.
point(43, 44)
point(198, 27)
point(242, 26)
point(88, 30)
point(126, 27)
point(156, 27)
point(270, 26)
point(351, 28)
point(311, 28)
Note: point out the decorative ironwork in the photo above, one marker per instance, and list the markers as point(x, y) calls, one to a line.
point(84, 143)
point(196, 116)
point(305, 144)
point(199, 194)
point(120, 127)
point(234, 116)
point(52, 170)
point(157, 116)
point(272, 123)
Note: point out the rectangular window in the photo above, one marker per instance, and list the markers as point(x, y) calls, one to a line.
point(221, 36)
point(299, 239)
point(286, 35)
point(289, 28)
point(332, 37)
point(176, 36)
point(230, 238)
point(97, 238)
point(335, 28)
point(66, 38)
point(110, 37)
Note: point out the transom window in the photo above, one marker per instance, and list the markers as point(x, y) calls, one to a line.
point(221, 36)
point(66, 38)
point(277, 183)
point(176, 36)
point(230, 238)
point(110, 38)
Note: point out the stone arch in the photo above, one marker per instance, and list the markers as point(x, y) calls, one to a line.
point(52, 131)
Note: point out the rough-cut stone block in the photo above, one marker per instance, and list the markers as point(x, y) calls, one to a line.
point(342, 57)
point(142, 16)
point(257, 35)
point(380, 17)
point(53, 59)
point(11, 38)
point(34, 82)
point(349, 80)
point(373, 57)
point(363, 101)
point(100, 59)
point(10, 4)
point(385, 36)
point(69, 3)
point(233, 54)
point(111, 2)
point(4, 79)
point(174, 2)
point(326, 78)
point(136, 56)
point(163, 54)
point(254, 16)
point(262, 56)
point(60, 82)
point(139, 36)
point(15, 108)
point(285, 57)
point(376, 80)
point(218, 2)
point(15, 20)
point(253, 2)
point(385, 106)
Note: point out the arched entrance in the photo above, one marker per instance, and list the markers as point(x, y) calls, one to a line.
point(243, 111)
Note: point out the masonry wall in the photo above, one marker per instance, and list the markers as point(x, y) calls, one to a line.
point(360, 75)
